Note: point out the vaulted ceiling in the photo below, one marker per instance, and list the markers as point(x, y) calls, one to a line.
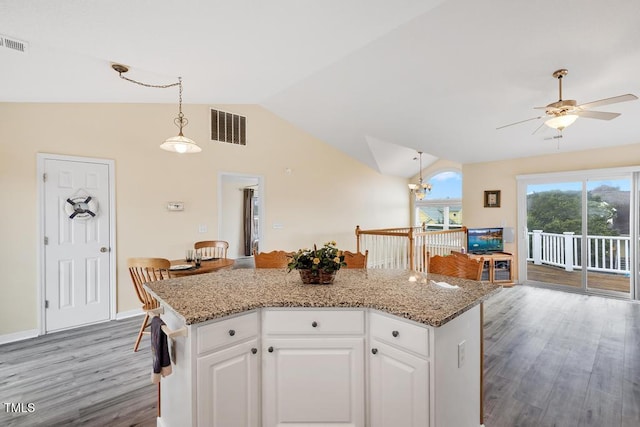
point(377, 79)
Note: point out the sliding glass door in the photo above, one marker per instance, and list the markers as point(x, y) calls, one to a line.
point(554, 226)
point(608, 242)
point(579, 232)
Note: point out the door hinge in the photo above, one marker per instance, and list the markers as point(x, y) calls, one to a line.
point(44, 177)
point(46, 240)
point(46, 303)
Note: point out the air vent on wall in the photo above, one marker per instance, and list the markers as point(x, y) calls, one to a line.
point(13, 44)
point(228, 127)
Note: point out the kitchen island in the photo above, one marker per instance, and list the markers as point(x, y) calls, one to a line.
point(376, 347)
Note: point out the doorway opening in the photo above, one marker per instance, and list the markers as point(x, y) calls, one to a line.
point(241, 213)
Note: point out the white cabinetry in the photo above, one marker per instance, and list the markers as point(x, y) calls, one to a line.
point(313, 368)
point(399, 387)
point(228, 373)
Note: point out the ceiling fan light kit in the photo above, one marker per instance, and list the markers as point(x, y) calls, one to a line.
point(176, 144)
point(562, 121)
point(563, 113)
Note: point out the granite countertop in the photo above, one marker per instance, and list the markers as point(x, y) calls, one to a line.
point(403, 293)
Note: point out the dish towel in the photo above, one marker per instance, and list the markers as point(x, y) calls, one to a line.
point(159, 350)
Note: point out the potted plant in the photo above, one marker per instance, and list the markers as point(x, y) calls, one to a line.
point(318, 266)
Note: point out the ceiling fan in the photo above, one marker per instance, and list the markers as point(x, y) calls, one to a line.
point(563, 113)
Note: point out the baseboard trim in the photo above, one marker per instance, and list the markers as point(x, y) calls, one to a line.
point(18, 336)
point(130, 313)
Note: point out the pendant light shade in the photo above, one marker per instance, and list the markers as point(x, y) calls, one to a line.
point(176, 144)
point(180, 144)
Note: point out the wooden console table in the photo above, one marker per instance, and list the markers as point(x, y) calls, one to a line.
point(499, 266)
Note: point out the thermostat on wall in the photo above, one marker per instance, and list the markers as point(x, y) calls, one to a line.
point(175, 206)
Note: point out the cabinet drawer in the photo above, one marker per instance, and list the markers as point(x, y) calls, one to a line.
point(400, 333)
point(227, 331)
point(314, 322)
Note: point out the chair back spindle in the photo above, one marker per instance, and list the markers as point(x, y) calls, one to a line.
point(273, 259)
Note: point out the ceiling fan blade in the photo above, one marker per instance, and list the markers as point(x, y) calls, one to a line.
point(521, 121)
point(606, 101)
point(537, 129)
point(601, 115)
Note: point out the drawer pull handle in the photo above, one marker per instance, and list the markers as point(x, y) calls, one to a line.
point(270, 349)
point(374, 350)
point(232, 332)
point(395, 334)
point(254, 350)
point(314, 324)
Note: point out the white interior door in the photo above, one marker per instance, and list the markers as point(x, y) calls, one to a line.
point(77, 243)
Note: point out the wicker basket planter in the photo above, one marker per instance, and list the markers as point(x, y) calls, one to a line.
point(318, 277)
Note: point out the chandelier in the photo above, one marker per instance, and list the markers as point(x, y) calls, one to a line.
point(177, 144)
point(421, 189)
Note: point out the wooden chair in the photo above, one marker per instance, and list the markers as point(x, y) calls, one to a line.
point(356, 259)
point(145, 270)
point(212, 248)
point(456, 266)
point(273, 259)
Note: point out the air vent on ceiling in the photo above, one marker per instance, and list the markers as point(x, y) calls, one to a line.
point(13, 44)
point(228, 127)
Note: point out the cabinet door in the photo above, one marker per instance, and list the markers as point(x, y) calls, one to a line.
point(399, 387)
point(311, 382)
point(228, 387)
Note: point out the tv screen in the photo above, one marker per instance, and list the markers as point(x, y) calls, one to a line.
point(484, 240)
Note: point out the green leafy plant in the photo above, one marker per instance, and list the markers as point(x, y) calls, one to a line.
point(328, 258)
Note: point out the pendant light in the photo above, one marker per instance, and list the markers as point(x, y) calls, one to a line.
point(177, 144)
point(421, 189)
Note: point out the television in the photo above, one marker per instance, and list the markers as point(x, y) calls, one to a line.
point(485, 240)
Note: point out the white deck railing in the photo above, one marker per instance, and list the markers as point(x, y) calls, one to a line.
point(609, 254)
point(407, 247)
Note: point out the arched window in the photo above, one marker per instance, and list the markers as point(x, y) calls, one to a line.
point(442, 208)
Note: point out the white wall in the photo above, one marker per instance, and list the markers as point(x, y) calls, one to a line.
point(321, 199)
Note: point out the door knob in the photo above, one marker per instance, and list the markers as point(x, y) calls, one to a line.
point(374, 350)
point(254, 350)
point(104, 249)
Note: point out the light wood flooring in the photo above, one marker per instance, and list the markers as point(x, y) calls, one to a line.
point(560, 359)
point(551, 359)
point(86, 376)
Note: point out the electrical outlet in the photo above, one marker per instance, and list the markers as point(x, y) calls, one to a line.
point(461, 354)
point(202, 228)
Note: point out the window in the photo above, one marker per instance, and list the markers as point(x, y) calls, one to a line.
point(442, 208)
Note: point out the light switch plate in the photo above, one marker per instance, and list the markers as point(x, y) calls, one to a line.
point(175, 206)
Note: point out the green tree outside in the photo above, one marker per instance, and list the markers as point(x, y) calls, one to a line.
point(561, 211)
